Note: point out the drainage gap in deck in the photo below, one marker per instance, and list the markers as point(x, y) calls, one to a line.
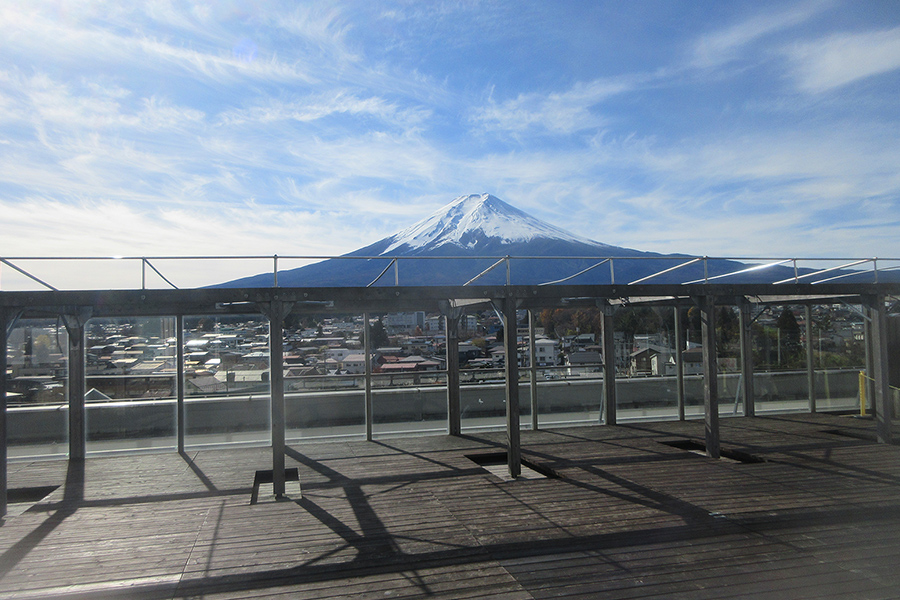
point(264, 487)
point(496, 463)
point(696, 447)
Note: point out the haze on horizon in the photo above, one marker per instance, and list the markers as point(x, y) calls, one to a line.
point(170, 128)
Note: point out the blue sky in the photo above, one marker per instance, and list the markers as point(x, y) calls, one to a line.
point(220, 128)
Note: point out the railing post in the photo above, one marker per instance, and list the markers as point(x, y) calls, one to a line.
point(810, 362)
point(609, 366)
point(275, 271)
point(679, 362)
point(4, 337)
point(746, 334)
point(144, 273)
point(451, 324)
point(882, 388)
point(710, 374)
point(367, 348)
point(179, 382)
point(533, 367)
point(396, 272)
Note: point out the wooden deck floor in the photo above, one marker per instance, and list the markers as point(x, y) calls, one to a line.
point(627, 517)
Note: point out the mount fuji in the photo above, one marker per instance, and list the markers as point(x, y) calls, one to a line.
point(461, 240)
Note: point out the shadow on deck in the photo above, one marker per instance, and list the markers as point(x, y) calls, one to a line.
point(632, 512)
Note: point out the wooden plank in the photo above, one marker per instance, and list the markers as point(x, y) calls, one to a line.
point(630, 518)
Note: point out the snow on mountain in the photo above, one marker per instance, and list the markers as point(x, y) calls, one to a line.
point(469, 221)
point(481, 228)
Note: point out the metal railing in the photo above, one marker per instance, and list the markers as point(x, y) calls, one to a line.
point(714, 269)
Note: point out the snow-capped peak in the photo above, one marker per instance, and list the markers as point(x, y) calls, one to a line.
point(470, 219)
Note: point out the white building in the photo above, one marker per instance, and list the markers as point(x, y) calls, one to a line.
point(405, 322)
point(545, 351)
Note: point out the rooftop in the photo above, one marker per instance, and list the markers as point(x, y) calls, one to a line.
point(625, 514)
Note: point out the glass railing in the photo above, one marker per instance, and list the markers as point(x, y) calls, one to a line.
point(340, 410)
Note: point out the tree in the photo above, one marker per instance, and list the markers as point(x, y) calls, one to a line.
point(379, 335)
point(728, 329)
point(790, 335)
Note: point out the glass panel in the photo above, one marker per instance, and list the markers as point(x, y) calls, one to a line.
point(566, 399)
point(324, 376)
point(37, 415)
point(412, 403)
point(483, 400)
point(130, 380)
point(226, 373)
point(410, 379)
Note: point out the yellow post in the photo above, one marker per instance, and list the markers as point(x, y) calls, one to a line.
point(862, 393)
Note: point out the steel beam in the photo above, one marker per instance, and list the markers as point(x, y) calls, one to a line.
point(386, 299)
point(710, 374)
point(454, 416)
point(74, 321)
point(276, 311)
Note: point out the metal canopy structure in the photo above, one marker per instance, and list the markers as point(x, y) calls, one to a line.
point(76, 308)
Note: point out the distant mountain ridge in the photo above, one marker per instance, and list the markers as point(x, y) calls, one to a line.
point(481, 227)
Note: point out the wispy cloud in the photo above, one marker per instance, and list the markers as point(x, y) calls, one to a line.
point(841, 59)
point(562, 113)
point(728, 44)
point(319, 106)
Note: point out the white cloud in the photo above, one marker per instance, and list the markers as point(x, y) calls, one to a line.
point(842, 59)
point(319, 106)
point(725, 45)
point(563, 113)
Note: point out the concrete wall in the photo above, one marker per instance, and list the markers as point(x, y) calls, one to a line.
point(139, 419)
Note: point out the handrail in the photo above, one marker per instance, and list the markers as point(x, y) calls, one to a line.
point(800, 273)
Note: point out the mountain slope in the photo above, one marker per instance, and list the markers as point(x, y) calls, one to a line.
point(470, 226)
point(482, 228)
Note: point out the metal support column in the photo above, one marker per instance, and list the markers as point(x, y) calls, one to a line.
point(514, 453)
point(882, 389)
point(367, 349)
point(532, 364)
point(679, 362)
point(609, 366)
point(710, 374)
point(74, 322)
point(5, 321)
point(454, 417)
point(810, 359)
point(276, 311)
point(747, 388)
point(179, 381)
